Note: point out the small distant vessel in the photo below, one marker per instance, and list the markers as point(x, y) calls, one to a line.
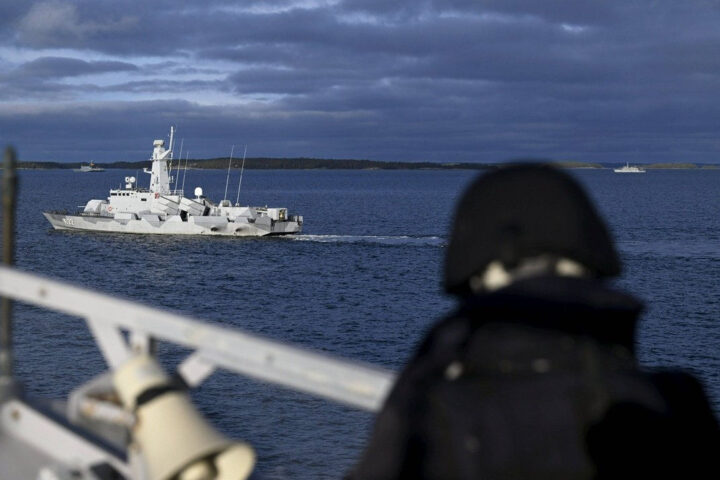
point(165, 211)
point(628, 169)
point(89, 168)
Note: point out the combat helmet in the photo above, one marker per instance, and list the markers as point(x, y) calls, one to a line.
point(524, 211)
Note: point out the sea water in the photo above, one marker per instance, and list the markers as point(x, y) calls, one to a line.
point(362, 281)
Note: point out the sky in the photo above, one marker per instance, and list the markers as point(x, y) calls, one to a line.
point(400, 80)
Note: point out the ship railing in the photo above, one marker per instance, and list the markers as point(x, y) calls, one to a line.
point(123, 329)
point(232, 349)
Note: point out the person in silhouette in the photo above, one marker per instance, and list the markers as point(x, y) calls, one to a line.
point(534, 375)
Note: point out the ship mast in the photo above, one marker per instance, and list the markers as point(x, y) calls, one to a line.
point(159, 177)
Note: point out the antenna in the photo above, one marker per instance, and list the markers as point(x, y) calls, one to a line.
point(172, 140)
point(242, 168)
point(185, 171)
point(9, 195)
point(227, 179)
point(177, 175)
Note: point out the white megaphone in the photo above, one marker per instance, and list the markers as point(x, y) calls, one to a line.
point(174, 440)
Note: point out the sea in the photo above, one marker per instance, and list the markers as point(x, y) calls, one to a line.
point(363, 281)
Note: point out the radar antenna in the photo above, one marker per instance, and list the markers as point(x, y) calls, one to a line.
point(242, 168)
point(227, 178)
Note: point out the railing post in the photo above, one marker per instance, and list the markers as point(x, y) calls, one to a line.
point(9, 186)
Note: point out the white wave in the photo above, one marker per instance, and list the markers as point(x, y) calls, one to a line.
point(379, 239)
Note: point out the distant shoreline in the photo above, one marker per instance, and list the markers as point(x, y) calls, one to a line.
point(340, 164)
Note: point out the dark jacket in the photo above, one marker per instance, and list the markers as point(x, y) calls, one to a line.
point(538, 380)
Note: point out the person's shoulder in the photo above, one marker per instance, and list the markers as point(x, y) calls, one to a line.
point(685, 397)
point(636, 438)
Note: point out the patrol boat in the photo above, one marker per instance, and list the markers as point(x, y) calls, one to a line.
point(91, 168)
point(165, 211)
point(629, 169)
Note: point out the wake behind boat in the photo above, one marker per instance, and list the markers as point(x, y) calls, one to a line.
point(628, 169)
point(165, 211)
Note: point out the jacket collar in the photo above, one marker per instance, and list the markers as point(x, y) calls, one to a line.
point(578, 306)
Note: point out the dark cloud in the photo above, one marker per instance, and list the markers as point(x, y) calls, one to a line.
point(169, 85)
point(556, 11)
point(42, 78)
point(59, 67)
point(62, 24)
point(409, 79)
point(10, 12)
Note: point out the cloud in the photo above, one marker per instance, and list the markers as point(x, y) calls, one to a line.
point(59, 67)
point(420, 79)
point(45, 78)
point(54, 23)
point(10, 12)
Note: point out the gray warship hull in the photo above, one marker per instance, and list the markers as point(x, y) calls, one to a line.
point(162, 210)
point(174, 225)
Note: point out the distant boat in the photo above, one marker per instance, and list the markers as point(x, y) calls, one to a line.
point(628, 169)
point(89, 168)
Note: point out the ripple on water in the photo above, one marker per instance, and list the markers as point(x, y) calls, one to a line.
point(362, 281)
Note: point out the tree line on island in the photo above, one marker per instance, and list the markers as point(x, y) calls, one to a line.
point(346, 164)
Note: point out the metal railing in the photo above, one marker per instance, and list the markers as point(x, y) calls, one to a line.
point(214, 346)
